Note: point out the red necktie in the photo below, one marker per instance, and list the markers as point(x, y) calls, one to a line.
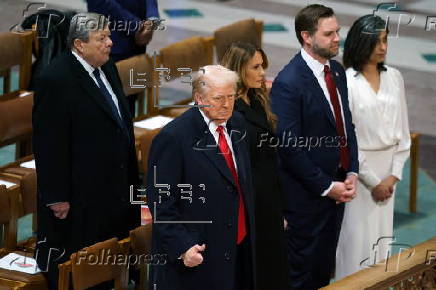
point(225, 150)
point(331, 86)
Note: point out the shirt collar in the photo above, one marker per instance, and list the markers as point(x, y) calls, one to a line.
point(212, 126)
point(89, 68)
point(316, 67)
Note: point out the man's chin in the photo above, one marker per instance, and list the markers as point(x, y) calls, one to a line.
point(226, 117)
point(334, 52)
point(103, 61)
point(221, 119)
point(325, 52)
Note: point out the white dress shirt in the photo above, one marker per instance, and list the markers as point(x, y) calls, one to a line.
point(212, 128)
point(90, 69)
point(317, 69)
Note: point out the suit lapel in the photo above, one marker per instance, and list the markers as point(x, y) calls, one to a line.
point(325, 104)
point(313, 85)
point(206, 144)
point(340, 85)
point(119, 93)
point(90, 87)
point(237, 136)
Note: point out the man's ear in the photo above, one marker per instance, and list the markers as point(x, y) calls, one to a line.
point(306, 37)
point(197, 98)
point(78, 45)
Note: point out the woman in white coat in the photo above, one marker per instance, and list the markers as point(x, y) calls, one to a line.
point(378, 106)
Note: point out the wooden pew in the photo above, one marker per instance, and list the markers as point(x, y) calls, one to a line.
point(414, 268)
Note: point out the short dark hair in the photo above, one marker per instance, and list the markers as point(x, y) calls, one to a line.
point(361, 41)
point(307, 19)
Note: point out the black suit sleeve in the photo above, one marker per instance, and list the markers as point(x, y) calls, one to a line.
point(287, 104)
point(166, 155)
point(52, 141)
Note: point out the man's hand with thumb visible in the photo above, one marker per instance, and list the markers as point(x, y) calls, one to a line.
point(193, 256)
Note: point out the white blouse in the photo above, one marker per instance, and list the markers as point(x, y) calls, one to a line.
point(380, 119)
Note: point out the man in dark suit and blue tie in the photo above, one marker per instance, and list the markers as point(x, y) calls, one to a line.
point(84, 148)
point(199, 189)
point(319, 172)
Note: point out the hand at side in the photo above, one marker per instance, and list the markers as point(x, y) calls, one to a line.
point(193, 256)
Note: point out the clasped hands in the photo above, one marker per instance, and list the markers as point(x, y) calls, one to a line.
point(193, 256)
point(344, 191)
point(384, 189)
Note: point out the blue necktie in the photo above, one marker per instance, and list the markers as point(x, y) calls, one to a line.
point(108, 97)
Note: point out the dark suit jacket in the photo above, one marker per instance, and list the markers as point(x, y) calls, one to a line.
point(268, 198)
point(124, 15)
point(305, 116)
point(83, 156)
point(185, 152)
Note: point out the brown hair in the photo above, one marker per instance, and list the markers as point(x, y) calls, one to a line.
point(236, 59)
point(307, 19)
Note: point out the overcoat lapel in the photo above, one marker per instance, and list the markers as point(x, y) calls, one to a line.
point(90, 87)
point(205, 143)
